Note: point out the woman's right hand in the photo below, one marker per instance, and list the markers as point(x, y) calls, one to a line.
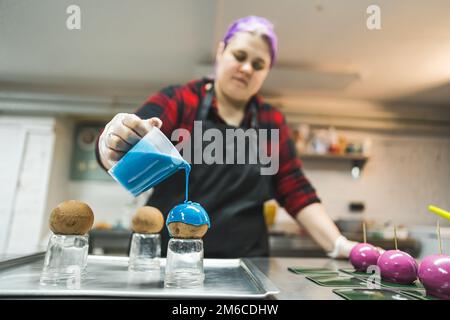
point(120, 134)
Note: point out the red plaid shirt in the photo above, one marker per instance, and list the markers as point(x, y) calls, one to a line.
point(177, 107)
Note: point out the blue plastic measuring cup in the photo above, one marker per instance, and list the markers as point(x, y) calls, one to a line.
point(153, 159)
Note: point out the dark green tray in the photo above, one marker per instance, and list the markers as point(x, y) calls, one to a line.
point(337, 281)
point(416, 285)
point(353, 272)
point(312, 271)
point(420, 294)
point(373, 294)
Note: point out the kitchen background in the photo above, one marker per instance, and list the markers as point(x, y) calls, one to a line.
point(386, 92)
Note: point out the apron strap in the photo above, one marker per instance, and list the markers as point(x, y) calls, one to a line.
point(254, 119)
point(203, 111)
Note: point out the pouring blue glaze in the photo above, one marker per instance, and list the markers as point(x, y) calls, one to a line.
point(189, 213)
point(149, 162)
point(144, 166)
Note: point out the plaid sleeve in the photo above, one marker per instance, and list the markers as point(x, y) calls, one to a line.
point(292, 189)
point(165, 106)
point(162, 105)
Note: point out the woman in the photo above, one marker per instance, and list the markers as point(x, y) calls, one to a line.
point(232, 194)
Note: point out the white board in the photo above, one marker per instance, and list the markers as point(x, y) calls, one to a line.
point(12, 145)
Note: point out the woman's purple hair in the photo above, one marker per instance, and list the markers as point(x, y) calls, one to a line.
point(255, 24)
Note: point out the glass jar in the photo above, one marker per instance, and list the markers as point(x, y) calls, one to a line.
point(65, 260)
point(184, 263)
point(145, 252)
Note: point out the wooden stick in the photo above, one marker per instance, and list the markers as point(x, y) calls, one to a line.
point(395, 237)
point(364, 232)
point(439, 211)
point(439, 236)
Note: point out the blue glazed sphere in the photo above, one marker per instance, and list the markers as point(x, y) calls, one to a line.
point(190, 213)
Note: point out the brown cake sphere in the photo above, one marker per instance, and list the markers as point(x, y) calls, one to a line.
point(71, 218)
point(187, 231)
point(147, 220)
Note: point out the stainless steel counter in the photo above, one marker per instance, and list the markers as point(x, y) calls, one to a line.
point(108, 277)
point(294, 286)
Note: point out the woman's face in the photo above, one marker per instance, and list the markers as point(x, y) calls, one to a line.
point(242, 66)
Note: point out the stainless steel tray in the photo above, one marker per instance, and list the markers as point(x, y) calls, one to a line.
point(108, 276)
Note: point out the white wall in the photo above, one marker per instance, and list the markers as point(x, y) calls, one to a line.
point(59, 174)
point(33, 159)
point(13, 146)
point(404, 174)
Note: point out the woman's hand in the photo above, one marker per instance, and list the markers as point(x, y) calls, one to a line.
point(343, 247)
point(120, 134)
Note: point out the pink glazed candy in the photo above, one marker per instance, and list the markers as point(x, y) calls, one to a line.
point(364, 255)
point(434, 273)
point(398, 267)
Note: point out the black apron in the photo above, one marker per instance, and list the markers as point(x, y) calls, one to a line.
point(232, 194)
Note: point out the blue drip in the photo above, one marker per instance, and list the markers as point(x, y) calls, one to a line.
point(143, 167)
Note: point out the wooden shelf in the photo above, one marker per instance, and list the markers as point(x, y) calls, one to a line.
point(357, 161)
point(315, 156)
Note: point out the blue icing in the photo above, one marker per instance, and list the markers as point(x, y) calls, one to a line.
point(190, 213)
point(144, 167)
